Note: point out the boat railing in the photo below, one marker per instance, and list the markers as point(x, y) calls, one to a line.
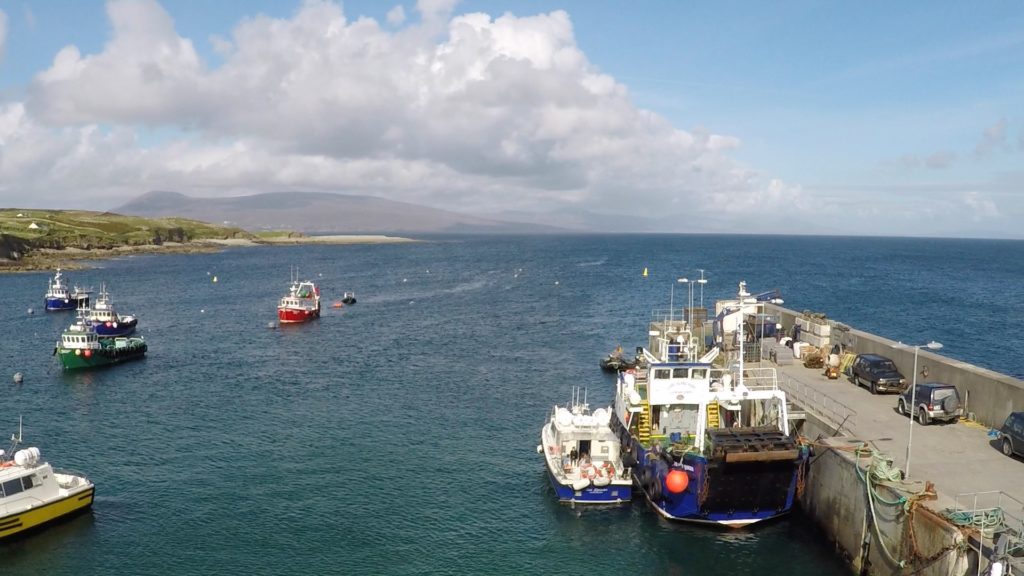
point(72, 478)
point(833, 412)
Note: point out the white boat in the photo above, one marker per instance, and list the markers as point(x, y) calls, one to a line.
point(583, 455)
point(33, 493)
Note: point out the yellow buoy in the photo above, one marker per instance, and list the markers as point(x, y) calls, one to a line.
point(645, 273)
point(215, 278)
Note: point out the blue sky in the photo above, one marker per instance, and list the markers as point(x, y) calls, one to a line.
point(860, 118)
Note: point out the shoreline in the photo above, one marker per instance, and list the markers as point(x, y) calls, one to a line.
point(46, 259)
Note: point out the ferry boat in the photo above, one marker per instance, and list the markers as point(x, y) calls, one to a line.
point(583, 455)
point(108, 323)
point(301, 304)
point(81, 347)
point(61, 297)
point(712, 445)
point(33, 493)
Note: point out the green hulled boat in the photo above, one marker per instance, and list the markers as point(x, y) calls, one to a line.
point(80, 347)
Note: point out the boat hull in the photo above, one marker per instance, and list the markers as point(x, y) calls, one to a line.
point(610, 494)
point(296, 316)
point(731, 494)
point(71, 505)
point(134, 349)
point(115, 329)
point(56, 304)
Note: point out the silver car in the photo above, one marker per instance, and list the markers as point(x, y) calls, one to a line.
point(933, 401)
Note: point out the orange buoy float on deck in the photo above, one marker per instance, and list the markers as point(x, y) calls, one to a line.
point(676, 481)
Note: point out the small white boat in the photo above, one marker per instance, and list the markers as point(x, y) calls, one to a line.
point(33, 493)
point(583, 455)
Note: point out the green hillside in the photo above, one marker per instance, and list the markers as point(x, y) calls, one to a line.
point(24, 233)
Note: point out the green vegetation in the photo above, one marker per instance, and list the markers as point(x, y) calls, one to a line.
point(27, 236)
point(59, 229)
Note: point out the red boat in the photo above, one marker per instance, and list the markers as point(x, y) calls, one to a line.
point(300, 305)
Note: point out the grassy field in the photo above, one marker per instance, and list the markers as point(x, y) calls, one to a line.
point(59, 229)
point(34, 239)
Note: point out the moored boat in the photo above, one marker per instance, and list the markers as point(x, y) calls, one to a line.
point(301, 304)
point(106, 320)
point(583, 456)
point(34, 494)
point(713, 445)
point(349, 298)
point(81, 347)
point(615, 362)
point(59, 296)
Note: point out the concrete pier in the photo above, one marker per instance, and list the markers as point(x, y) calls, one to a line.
point(953, 466)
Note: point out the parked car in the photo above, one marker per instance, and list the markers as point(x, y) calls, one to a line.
point(934, 401)
point(1012, 434)
point(878, 373)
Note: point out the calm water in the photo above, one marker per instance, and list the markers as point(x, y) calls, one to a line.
point(397, 436)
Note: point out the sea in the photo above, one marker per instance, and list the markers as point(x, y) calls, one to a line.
point(397, 435)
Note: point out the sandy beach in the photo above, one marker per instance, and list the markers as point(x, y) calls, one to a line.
point(290, 240)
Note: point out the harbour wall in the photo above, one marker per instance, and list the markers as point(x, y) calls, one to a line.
point(988, 396)
point(878, 534)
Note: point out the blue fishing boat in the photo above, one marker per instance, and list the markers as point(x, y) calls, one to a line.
point(59, 296)
point(106, 320)
point(712, 444)
point(583, 455)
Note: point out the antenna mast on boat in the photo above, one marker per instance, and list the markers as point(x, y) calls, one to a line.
point(742, 297)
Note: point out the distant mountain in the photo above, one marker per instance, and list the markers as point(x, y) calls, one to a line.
point(320, 212)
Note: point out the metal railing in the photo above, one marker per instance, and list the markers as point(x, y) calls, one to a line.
point(833, 412)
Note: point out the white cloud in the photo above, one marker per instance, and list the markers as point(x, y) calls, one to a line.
point(992, 139)
point(491, 114)
point(396, 16)
point(980, 208)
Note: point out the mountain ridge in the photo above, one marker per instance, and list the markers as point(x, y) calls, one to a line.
point(320, 212)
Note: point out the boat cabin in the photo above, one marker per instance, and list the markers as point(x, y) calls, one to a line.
point(79, 336)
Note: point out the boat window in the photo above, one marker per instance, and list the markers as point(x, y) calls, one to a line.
point(30, 481)
point(662, 373)
point(12, 487)
point(699, 373)
point(680, 372)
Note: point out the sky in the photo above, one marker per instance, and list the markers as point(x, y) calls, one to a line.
point(801, 117)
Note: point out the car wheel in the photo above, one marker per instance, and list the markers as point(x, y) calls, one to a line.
point(874, 389)
point(954, 420)
point(900, 407)
point(1007, 447)
point(922, 417)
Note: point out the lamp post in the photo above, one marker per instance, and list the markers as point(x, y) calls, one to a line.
point(933, 345)
point(702, 282)
point(763, 314)
point(672, 298)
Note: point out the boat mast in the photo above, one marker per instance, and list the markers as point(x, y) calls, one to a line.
point(742, 297)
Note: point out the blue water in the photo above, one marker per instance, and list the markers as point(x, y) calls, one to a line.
point(397, 436)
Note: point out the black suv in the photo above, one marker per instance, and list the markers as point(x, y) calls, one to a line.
point(934, 401)
point(878, 373)
point(1012, 434)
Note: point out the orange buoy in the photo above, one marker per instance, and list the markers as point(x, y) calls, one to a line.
point(338, 304)
point(87, 353)
point(676, 481)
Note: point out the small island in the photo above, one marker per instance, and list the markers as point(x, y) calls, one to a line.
point(43, 239)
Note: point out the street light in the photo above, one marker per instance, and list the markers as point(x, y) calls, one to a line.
point(702, 282)
point(775, 301)
point(933, 345)
point(672, 298)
